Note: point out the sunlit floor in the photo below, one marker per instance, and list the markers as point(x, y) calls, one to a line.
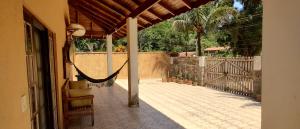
point(171, 106)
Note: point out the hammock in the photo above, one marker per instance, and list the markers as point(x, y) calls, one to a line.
point(83, 75)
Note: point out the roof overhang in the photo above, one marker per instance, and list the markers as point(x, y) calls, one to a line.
point(102, 17)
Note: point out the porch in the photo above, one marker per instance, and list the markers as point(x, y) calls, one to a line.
point(170, 106)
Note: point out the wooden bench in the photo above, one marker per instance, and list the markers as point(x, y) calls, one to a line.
point(69, 111)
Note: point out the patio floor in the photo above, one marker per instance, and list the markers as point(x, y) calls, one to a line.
point(171, 106)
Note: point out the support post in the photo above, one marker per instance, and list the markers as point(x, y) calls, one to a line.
point(202, 67)
point(257, 78)
point(132, 37)
point(109, 57)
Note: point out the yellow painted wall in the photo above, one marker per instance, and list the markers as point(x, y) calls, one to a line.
point(13, 78)
point(280, 64)
point(150, 64)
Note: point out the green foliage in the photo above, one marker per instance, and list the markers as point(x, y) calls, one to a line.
point(162, 37)
point(90, 45)
point(250, 30)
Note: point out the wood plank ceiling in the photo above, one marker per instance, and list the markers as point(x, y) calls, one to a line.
point(102, 17)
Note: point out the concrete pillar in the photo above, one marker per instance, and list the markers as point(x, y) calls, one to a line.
point(109, 57)
point(257, 76)
point(201, 68)
point(132, 37)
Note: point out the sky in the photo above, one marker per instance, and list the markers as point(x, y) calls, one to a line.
point(238, 5)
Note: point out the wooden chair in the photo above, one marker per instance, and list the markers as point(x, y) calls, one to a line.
point(70, 111)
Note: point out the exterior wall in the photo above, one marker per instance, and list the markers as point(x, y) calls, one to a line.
point(280, 62)
point(13, 78)
point(150, 64)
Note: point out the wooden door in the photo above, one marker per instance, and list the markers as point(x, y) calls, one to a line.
point(32, 76)
point(41, 71)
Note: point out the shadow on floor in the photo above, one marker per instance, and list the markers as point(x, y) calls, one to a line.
point(112, 112)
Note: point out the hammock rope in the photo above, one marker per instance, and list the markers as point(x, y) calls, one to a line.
point(85, 76)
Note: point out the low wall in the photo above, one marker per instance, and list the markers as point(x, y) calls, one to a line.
point(94, 64)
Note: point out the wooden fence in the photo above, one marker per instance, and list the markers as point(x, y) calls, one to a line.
point(230, 74)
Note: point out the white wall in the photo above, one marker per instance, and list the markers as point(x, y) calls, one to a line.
point(281, 65)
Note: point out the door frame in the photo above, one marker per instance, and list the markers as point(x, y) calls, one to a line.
point(29, 17)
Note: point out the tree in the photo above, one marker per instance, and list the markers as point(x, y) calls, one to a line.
point(245, 29)
point(161, 37)
point(206, 17)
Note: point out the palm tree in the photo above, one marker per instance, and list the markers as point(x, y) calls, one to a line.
point(207, 17)
point(195, 20)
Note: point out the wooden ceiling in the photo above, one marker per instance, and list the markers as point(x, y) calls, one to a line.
point(102, 17)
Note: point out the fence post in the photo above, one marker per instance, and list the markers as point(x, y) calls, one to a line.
point(171, 60)
point(201, 68)
point(257, 77)
point(170, 68)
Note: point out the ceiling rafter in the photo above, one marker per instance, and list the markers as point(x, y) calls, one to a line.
point(150, 10)
point(98, 17)
point(167, 7)
point(76, 16)
point(90, 16)
point(197, 3)
point(117, 35)
point(103, 13)
point(187, 3)
point(119, 12)
point(144, 6)
point(129, 9)
point(108, 22)
point(105, 8)
point(94, 32)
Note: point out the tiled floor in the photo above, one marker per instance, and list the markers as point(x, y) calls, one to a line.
point(171, 106)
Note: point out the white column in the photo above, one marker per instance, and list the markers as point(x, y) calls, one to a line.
point(109, 56)
point(133, 90)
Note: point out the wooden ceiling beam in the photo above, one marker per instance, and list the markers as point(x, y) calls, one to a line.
point(120, 13)
point(108, 22)
point(122, 5)
point(77, 16)
point(144, 6)
point(117, 10)
point(106, 8)
point(130, 9)
point(187, 3)
point(90, 16)
point(93, 32)
point(150, 10)
point(123, 30)
point(99, 11)
point(98, 17)
point(167, 7)
point(197, 3)
point(117, 35)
